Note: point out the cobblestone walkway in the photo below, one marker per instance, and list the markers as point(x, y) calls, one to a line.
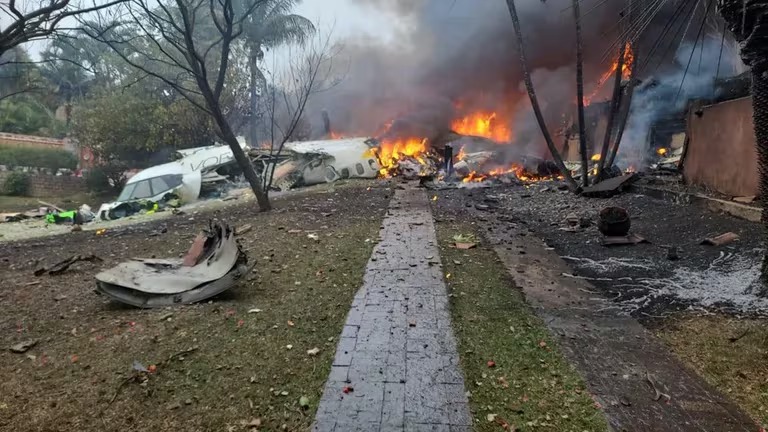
point(397, 357)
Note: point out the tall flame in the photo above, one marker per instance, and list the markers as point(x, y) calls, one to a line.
point(483, 124)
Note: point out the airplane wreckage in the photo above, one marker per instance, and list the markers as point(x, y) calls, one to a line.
point(208, 171)
point(214, 263)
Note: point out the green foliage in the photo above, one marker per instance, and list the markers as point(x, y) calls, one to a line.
point(106, 178)
point(131, 127)
point(16, 184)
point(50, 159)
point(23, 115)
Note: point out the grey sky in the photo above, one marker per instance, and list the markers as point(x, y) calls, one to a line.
point(347, 18)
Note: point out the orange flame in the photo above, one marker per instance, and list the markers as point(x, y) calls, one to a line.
point(390, 153)
point(483, 124)
point(626, 72)
point(461, 155)
point(626, 68)
point(518, 170)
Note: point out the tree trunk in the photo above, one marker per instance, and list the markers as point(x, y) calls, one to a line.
point(242, 159)
point(748, 21)
point(253, 64)
point(534, 101)
point(760, 105)
point(580, 98)
point(624, 118)
point(615, 104)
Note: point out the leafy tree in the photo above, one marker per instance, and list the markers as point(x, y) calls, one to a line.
point(23, 115)
point(270, 25)
point(130, 128)
point(177, 46)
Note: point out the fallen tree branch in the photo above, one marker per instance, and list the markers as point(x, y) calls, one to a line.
point(139, 375)
point(659, 394)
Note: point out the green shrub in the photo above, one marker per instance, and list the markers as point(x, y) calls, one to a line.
point(16, 184)
point(96, 180)
point(106, 178)
point(51, 159)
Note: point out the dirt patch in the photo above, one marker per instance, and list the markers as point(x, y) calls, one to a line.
point(728, 352)
point(250, 357)
point(514, 370)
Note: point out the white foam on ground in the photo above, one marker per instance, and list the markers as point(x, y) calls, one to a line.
point(730, 280)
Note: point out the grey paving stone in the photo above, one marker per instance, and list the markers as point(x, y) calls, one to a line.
point(393, 410)
point(459, 414)
point(323, 426)
point(339, 374)
point(425, 402)
point(421, 427)
point(344, 352)
point(397, 349)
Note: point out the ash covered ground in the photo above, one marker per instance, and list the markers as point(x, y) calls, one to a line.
point(639, 279)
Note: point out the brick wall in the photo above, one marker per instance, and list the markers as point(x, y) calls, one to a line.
point(44, 185)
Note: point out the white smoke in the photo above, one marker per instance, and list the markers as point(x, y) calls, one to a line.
point(667, 93)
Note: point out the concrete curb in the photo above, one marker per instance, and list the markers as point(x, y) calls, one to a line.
point(741, 211)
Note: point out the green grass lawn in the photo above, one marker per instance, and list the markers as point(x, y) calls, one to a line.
point(516, 377)
point(728, 352)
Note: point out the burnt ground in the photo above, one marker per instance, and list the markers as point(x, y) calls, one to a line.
point(587, 294)
point(247, 366)
point(639, 279)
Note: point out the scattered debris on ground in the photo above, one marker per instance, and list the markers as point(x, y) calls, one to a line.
point(23, 347)
point(62, 266)
point(664, 268)
point(226, 383)
point(721, 240)
point(214, 263)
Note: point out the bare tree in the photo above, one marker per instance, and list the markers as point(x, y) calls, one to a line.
point(534, 101)
point(310, 70)
point(188, 45)
point(29, 20)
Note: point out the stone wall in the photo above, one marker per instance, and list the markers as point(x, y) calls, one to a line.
point(721, 154)
point(44, 185)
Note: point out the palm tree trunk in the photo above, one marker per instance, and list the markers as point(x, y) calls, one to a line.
point(748, 21)
point(624, 118)
point(580, 98)
point(534, 101)
point(615, 105)
point(253, 64)
point(760, 106)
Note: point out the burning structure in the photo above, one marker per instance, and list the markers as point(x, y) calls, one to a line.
point(451, 82)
